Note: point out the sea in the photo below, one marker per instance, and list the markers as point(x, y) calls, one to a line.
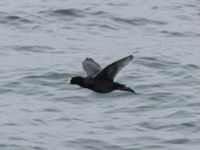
point(43, 44)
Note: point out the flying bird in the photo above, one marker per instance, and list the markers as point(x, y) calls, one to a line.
point(102, 80)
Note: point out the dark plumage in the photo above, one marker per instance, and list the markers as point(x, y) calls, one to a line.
point(102, 80)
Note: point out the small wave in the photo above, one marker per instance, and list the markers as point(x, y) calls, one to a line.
point(157, 63)
point(37, 147)
point(10, 146)
point(169, 33)
point(5, 90)
point(17, 139)
point(178, 141)
point(63, 119)
point(179, 34)
point(138, 21)
point(10, 87)
point(188, 124)
point(12, 19)
point(152, 126)
point(103, 26)
point(51, 110)
point(92, 144)
point(121, 4)
point(191, 67)
point(17, 18)
point(33, 49)
point(38, 122)
point(99, 13)
point(11, 124)
point(49, 75)
point(40, 84)
point(71, 99)
point(179, 114)
point(66, 12)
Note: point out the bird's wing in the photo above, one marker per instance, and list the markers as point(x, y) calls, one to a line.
point(109, 72)
point(91, 67)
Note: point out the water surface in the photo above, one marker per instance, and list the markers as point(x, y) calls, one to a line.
point(42, 45)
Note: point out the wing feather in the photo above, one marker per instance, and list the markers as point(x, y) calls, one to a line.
point(109, 72)
point(91, 67)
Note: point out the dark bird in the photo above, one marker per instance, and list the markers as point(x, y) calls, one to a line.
point(102, 80)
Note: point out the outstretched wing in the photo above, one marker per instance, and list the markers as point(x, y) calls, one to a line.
point(91, 67)
point(109, 72)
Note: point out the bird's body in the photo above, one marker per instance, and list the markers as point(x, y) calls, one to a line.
point(101, 86)
point(101, 81)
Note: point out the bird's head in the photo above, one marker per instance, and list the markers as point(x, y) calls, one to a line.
point(77, 80)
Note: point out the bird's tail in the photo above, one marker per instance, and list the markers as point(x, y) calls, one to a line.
point(127, 89)
point(122, 87)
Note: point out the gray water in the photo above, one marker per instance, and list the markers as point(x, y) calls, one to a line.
point(42, 45)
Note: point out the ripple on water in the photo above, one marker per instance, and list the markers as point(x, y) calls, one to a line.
point(178, 141)
point(18, 19)
point(49, 75)
point(10, 87)
point(5, 90)
point(157, 63)
point(14, 19)
point(11, 146)
point(138, 21)
point(92, 144)
point(29, 49)
point(100, 13)
point(44, 83)
point(71, 12)
point(179, 34)
point(47, 79)
point(179, 114)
